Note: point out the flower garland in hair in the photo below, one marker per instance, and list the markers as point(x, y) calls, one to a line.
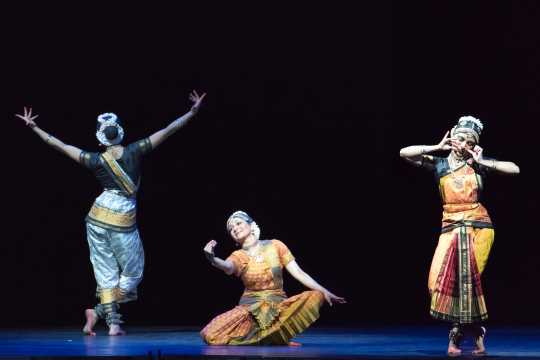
point(255, 230)
point(105, 120)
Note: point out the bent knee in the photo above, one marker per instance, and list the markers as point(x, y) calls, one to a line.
point(316, 295)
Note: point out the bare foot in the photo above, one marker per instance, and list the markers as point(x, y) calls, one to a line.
point(479, 352)
point(91, 320)
point(453, 350)
point(294, 343)
point(116, 330)
point(480, 349)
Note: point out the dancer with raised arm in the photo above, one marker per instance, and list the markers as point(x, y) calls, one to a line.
point(116, 250)
point(264, 316)
point(467, 233)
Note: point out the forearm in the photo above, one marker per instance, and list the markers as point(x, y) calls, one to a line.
point(69, 150)
point(417, 150)
point(157, 138)
point(308, 281)
point(223, 265)
point(505, 167)
point(49, 139)
point(178, 123)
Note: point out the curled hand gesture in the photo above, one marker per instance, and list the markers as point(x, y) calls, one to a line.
point(197, 100)
point(27, 117)
point(476, 153)
point(446, 142)
point(329, 297)
point(209, 250)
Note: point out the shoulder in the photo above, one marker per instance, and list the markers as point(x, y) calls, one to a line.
point(89, 159)
point(142, 146)
point(238, 254)
point(278, 244)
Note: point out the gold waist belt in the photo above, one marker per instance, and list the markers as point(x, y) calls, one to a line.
point(453, 208)
point(111, 217)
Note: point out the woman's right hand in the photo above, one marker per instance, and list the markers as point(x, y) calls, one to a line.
point(209, 248)
point(27, 117)
point(197, 101)
point(445, 143)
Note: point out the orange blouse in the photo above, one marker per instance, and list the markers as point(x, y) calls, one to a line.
point(263, 271)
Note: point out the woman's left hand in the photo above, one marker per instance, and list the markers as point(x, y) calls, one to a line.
point(329, 297)
point(476, 153)
point(197, 100)
point(27, 117)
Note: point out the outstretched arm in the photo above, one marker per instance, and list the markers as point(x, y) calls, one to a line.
point(224, 265)
point(161, 135)
point(413, 154)
point(505, 167)
point(299, 274)
point(71, 151)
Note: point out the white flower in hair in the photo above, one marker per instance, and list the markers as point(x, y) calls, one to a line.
point(468, 118)
point(255, 230)
point(107, 117)
point(105, 120)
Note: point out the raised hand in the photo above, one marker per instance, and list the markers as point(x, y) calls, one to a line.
point(209, 248)
point(446, 142)
point(476, 153)
point(329, 297)
point(209, 251)
point(197, 100)
point(27, 117)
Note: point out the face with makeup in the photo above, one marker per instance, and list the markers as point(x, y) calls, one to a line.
point(461, 143)
point(239, 230)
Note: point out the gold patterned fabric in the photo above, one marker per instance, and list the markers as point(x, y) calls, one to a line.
point(264, 315)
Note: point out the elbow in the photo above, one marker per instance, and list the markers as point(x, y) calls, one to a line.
point(403, 153)
point(229, 270)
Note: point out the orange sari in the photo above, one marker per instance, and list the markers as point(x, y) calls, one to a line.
point(464, 245)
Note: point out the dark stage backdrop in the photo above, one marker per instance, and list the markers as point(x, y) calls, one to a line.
point(306, 111)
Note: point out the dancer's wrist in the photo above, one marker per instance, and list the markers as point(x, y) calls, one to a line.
point(210, 257)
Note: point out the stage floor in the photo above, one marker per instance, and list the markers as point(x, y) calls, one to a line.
point(390, 342)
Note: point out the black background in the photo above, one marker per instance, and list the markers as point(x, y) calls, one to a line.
point(306, 111)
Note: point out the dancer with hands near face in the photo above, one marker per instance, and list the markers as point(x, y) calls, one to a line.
point(467, 232)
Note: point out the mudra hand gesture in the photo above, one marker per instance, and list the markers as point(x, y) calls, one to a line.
point(329, 297)
point(445, 143)
point(209, 249)
point(197, 100)
point(476, 153)
point(27, 117)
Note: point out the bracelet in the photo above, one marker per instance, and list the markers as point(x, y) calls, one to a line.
point(210, 257)
point(493, 165)
point(48, 139)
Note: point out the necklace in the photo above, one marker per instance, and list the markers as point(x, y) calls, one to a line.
point(255, 253)
point(454, 163)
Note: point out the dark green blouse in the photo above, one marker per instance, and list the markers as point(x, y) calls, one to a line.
point(130, 163)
